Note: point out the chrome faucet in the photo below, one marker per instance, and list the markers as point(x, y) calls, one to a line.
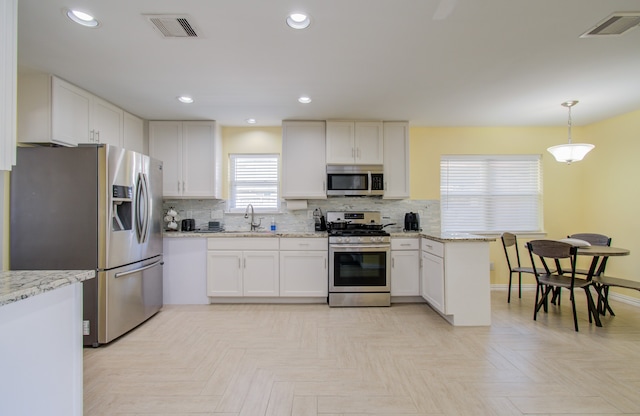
point(254, 226)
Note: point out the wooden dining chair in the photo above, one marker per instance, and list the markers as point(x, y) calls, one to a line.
point(551, 252)
point(510, 245)
point(594, 240)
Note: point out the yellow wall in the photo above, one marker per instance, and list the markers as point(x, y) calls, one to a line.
point(247, 140)
point(581, 197)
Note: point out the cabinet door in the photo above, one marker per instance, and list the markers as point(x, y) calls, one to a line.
point(396, 160)
point(405, 273)
point(368, 143)
point(260, 270)
point(71, 107)
point(106, 123)
point(304, 172)
point(341, 142)
point(303, 273)
point(198, 167)
point(184, 274)
point(165, 143)
point(133, 133)
point(433, 281)
point(224, 273)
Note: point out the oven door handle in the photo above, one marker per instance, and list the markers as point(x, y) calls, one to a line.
point(367, 247)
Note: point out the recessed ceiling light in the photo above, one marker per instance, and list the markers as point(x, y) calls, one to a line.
point(185, 99)
point(251, 121)
point(298, 21)
point(304, 99)
point(82, 18)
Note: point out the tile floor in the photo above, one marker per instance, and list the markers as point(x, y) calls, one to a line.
point(304, 360)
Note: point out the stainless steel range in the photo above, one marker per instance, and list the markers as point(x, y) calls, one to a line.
point(359, 258)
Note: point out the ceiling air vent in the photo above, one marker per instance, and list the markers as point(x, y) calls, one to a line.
point(173, 26)
point(615, 24)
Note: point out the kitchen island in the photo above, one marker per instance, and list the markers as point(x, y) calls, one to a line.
point(455, 277)
point(41, 342)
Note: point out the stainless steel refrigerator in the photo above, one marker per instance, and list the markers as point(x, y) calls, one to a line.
point(93, 207)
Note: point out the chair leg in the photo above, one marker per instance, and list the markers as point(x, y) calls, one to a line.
point(593, 311)
point(606, 306)
point(573, 306)
point(537, 305)
point(520, 285)
point(509, 295)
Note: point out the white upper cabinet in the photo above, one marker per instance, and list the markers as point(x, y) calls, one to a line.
point(51, 110)
point(304, 171)
point(8, 60)
point(354, 142)
point(107, 123)
point(133, 133)
point(396, 160)
point(191, 152)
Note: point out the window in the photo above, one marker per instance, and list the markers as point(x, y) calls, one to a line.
point(488, 193)
point(253, 179)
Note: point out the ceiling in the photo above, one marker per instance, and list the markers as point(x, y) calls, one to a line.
point(432, 62)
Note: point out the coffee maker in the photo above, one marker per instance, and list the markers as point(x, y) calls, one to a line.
point(411, 221)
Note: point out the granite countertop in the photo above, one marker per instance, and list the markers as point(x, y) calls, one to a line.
point(434, 235)
point(444, 237)
point(16, 285)
point(234, 234)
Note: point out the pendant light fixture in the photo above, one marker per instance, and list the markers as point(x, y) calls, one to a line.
point(571, 152)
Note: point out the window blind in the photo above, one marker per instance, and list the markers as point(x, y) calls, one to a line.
point(490, 193)
point(253, 180)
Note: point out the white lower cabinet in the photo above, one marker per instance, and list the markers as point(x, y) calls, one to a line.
point(432, 274)
point(405, 267)
point(455, 280)
point(243, 267)
point(303, 267)
point(185, 271)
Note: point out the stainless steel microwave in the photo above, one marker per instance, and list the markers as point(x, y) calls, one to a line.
point(360, 180)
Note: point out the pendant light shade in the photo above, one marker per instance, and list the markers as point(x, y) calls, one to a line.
point(570, 152)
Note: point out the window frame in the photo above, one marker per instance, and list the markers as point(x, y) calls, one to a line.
point(232, 206)
point(489, 192)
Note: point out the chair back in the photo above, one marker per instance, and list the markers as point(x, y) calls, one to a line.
point(510, 245)
point(593, 239)
point(552, 251)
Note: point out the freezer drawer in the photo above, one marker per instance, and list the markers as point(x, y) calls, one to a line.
point(128, 296)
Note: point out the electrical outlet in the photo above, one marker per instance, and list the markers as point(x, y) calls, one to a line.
point(189, 214)
point(491, 266)
point(309, 214)
point(86, 328)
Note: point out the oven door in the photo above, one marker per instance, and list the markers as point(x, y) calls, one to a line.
point(359, 268)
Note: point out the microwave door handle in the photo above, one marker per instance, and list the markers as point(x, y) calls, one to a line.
point(370, 181)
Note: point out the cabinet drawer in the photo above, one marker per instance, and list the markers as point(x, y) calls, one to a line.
point(304, 244)
point(405, 244)
point(231, 243)
point(434, 247)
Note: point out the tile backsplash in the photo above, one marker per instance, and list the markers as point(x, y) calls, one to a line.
point(205, 210)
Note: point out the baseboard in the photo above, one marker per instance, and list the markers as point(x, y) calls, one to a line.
point(629, 300)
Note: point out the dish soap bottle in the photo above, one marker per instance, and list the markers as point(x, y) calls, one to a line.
point(273, 224)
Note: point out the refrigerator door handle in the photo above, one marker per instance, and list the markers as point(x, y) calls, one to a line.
point(142, 210)
point(121, 274)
